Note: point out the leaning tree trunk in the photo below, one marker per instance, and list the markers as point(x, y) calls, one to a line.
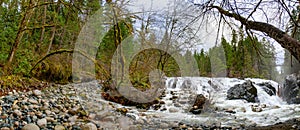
point(22, 27)
point(286, 41)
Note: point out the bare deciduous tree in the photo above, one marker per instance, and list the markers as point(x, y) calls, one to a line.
point(268, 17)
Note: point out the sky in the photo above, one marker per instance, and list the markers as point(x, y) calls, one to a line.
point(209, 35)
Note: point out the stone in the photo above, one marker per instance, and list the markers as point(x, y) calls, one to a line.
point(50, 119)
point(37, 92)
point(89, 126)
point(4, 128)
point(140, 121)
point(59, 127)
point(290, 92)
point(72, 118)
point(246, 91)
point(124, 122)
point(268, 88)
point(17, 113)
point(30, 127)
point(33, 101)
point(173, 110)
point(256, 109)
point(164, 125)
point(16, 123)
point(198, 104)
point(135, 127)
point(39, 114)
point(177, 105)
point(48, 112)
point(108, 119)
point(15, 107)
point(42, 122)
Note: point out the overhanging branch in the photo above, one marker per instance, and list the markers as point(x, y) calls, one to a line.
point(286, 41)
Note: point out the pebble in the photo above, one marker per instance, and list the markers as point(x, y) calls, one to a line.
point(17, 113)
point(59, 127)
point(173, 110)
point(37, 92)
point(30, 127)
point(89, 126)
point(33, 101)
point(72, 118)
point(42, 122)
point(5, 128)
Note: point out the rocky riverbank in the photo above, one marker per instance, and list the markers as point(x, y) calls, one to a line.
point(61, 107)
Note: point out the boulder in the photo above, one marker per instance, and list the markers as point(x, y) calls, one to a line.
point(245, 91)
point(198, 105)
point(290, 91)
point(268, 88)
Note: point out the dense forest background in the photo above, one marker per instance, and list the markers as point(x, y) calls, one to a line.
point(31, 30)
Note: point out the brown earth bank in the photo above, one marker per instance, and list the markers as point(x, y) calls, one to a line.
point(20, 83)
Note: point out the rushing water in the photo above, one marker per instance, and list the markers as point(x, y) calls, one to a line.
point(219, 110)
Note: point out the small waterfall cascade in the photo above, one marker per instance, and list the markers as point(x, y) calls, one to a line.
point(180, 95)
point(181, 92)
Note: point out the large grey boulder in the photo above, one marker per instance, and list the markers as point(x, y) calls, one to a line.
point(290, 91)
point(245, 91)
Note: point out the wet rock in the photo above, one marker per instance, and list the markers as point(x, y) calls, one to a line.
point(177, 105)
point(198, 105)
point(30, 127)
point(256, 108)
point(230, 111)
point(173, 110)
point(268, 88)
point(243, 91)
point(291, 89)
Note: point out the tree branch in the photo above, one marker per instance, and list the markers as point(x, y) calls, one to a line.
point(286, 41)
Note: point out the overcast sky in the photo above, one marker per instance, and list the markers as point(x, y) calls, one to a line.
point(209, 35)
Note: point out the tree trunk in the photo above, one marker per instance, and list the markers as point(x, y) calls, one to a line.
point(43, 28)
point(53, 30)
point(23, 23)
point(286, 41)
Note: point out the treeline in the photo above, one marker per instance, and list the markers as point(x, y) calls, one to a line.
point(31, 29)
point(245, 57)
